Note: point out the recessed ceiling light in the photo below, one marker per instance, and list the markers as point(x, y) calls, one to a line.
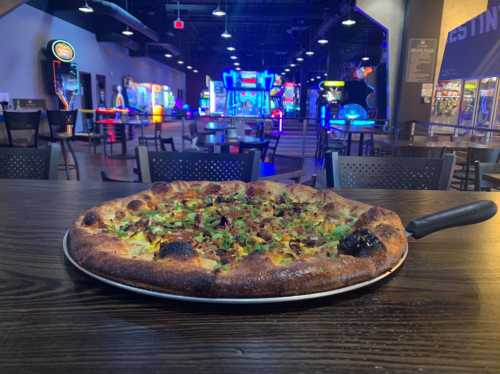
point(233, 57)
point(218, 12)
point(226, 34)
point(292, 65)
point(318, 77)
point(238, 68)
point(300, 59)
point(231, 49)
point(127, 32)
point(236, 64)
point(287, 70)
point(366, 58)
point(312, 79)
point(326, 74)
point(322, 41)
point(195, 71)
point(189, 67)
point(86, 8)
point(180, 62)
point(168, 55)
point(349, 22)
point(310, 53)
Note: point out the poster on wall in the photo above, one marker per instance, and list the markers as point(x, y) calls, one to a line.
point(420, 60)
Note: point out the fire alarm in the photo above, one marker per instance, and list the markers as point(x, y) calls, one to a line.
point(178, 24)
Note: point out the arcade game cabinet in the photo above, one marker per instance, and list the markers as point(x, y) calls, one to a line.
point(329, 101)
point(277, 101)
point(204, 103)
point(291, 99)
point(248, 93)
point(217, 98)
point(64, 81)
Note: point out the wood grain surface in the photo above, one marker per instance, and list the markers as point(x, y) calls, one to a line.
point(439, 314)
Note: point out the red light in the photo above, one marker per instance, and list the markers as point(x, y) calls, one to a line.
point(178, 24)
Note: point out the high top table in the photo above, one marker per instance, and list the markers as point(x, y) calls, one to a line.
point(440, 313)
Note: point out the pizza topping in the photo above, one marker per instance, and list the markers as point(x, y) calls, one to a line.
point(361, 243)
point(160, 187)
point(135, 205)
point(92, 218)
point(177, 249)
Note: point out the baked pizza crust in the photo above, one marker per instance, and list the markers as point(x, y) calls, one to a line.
point(255, 275)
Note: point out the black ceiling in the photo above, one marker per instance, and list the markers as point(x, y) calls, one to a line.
point(266, 33)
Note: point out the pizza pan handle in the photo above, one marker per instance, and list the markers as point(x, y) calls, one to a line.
point(462, 215)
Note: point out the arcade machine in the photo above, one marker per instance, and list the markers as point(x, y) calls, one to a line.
point(63, 72)
point(217, 98)
point(291, 99)
point(248, 93)
point(468, 106)
point(277, 101)
point(329, 101)
point(486, 102)
point(446, 104)
point(204, 103)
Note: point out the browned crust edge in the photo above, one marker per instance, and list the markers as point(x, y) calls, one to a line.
point(256, 276)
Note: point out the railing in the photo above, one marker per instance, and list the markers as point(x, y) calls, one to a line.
point(430, 129)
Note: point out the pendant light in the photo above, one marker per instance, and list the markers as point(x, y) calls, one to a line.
point(218, 12)
point(226, 34)
point(86, 8)
point(127, 31)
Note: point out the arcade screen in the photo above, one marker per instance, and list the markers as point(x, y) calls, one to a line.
point(217, 97)
point(248, 79)
point(247, 103)
point(290, 97)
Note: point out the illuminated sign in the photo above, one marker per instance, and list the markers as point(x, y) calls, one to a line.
point(333, 84)
point(178, 24)
point(62, 50)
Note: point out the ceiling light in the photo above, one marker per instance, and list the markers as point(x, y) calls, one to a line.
point(86, 8)
point(195, 71)
point(292, 65)
point(312, 79)
point(287, 70)
point(366, 58)
point(189, 67)
point(168, 55)
point(218, 12)
point(233, 57)
point(300, 59)
point(349, 21)
point(238, 68)
point(322, 41)
point(318, 77)
point(180, 62)
point(127, 32)
point(231, 49)
point(226, 34)
point(310, 53)
point(236, 64)
point(326, 74)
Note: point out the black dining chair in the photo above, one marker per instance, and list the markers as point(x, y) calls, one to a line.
point(481, 168)
point(261, 147)
point(29, 163)
point(60, 122)
point(195, 166)
point(25, 125)
point(274, 141)
point(464, 176)
point(399, 173)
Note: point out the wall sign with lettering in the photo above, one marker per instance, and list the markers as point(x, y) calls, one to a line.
point(61, 50)
point(420, 60)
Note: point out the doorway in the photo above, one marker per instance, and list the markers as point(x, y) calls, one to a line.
point(101, 90)
point(86, 100)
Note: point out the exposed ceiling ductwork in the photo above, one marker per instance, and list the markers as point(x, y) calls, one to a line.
point(110, 9)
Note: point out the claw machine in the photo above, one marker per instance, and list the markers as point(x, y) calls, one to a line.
point(468, 107)
point(446, 104)
point(488, 91)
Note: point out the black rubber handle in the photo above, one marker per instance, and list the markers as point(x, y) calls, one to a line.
point(467, 214)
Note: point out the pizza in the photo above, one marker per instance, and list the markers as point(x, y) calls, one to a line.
point(237, 240)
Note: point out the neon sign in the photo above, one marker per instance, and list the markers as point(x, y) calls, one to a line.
point(62, 50)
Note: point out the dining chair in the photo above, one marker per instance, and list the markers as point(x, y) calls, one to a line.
point(59, 123)
point(29, 163)
point(274, 141)
point(262, 148)
point(25, 125)
point(481, 168)
point(400, 173)
point(465, 176)
point(195, 166)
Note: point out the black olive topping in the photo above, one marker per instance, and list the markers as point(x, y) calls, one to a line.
point(179, 249)
point(361, 243)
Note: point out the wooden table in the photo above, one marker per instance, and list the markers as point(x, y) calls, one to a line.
point(439, 314)
point(355, 129)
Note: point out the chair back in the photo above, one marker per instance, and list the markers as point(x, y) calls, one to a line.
point(29, 163)
point(59, 120)
point(274, 141)
point(482, 168)
point(399, 173)
point(261, 147)
point(195, 166)
point(26, 125)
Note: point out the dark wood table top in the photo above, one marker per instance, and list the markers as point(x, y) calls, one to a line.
point(439, 314)
point(492, 177)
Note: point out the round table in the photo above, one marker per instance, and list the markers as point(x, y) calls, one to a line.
point(218, 127)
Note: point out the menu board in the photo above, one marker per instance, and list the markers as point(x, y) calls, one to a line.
point(420, 60)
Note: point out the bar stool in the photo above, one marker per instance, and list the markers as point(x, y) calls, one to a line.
point(62, 130)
